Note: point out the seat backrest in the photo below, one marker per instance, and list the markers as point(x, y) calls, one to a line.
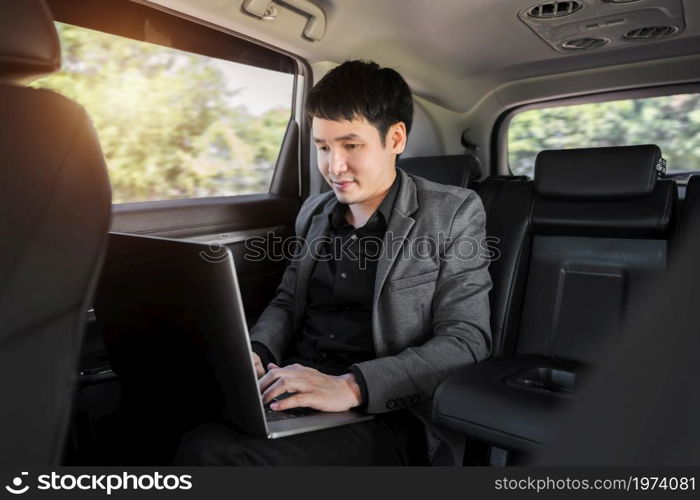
point(642, 406)
point(508, 202)
point(55, 206)
point(600, 226)
point(452, 170)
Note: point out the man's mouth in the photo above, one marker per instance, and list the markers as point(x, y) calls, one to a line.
point(342, 185)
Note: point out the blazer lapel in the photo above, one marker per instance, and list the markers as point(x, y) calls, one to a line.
point(400, 225)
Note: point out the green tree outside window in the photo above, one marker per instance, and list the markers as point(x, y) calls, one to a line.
point(167, 120)
point(671, 122)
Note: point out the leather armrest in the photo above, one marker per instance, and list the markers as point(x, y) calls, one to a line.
point(486, 401)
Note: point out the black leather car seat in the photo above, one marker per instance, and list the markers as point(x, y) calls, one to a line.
point(55, 206)
point(507, 203)
point(642, 406)
point(596, 232)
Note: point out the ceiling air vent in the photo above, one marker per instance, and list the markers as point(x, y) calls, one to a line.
point(551, 10)
point(650, 32)
point(584, 43)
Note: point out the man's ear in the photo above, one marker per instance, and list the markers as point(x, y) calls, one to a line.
point(397, 137)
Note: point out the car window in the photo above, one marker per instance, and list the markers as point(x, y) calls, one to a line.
point(175, 124)
point(672, 122)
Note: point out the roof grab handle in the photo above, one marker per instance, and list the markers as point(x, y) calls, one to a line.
point(315, 26)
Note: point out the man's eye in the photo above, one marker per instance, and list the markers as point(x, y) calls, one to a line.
point(351, 147)
point(323, 148)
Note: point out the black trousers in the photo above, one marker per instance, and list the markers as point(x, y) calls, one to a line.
point(382, 441)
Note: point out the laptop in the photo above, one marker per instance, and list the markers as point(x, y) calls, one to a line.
point(172, 315)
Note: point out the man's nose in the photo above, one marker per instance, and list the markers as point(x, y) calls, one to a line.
point(338, 163)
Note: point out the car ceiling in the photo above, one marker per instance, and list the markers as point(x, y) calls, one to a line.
point(452, 52)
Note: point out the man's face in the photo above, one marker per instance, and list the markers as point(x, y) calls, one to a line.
point(353, 160)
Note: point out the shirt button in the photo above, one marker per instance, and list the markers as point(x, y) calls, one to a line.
point(343, 275)
point(331, 336)
point(353, 237)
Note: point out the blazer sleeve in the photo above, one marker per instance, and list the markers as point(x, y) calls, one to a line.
point(461, 333)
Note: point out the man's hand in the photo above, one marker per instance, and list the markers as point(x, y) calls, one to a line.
point(259, 370)
point(312, 389)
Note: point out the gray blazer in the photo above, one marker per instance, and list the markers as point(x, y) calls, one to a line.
point(431, 305)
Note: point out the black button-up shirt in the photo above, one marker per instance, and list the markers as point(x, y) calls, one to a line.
point(337, 325)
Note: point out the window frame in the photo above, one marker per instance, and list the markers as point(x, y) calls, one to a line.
point(500, 141)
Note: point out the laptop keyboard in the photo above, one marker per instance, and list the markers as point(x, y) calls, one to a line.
point(275, 416)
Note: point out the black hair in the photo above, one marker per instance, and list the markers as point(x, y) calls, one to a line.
point(361, 89)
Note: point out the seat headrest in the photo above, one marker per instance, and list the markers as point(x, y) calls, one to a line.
point(615, 173)
point(29, 45)
point(451, 170)
point(648, 217)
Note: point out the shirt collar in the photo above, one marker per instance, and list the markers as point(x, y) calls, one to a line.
point(337, 214)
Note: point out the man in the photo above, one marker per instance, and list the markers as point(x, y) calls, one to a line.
point(390, 299)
